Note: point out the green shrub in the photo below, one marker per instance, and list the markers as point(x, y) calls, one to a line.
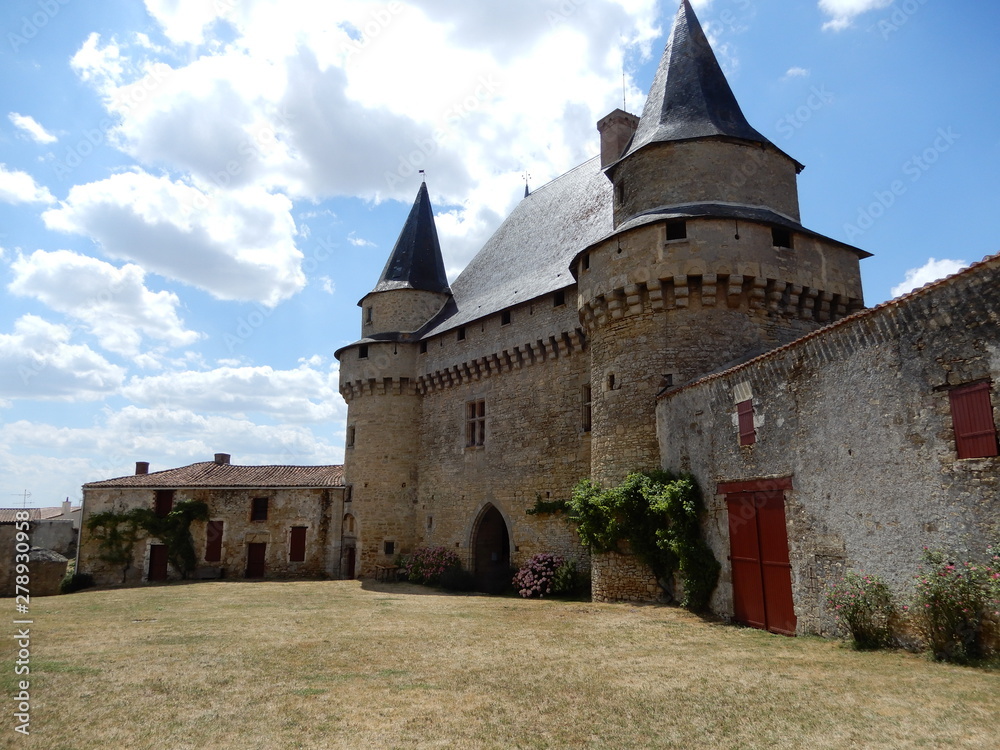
point(457, 578)
point(569, 581)
point(864, 606)
point(74, 582)
point(427, 564)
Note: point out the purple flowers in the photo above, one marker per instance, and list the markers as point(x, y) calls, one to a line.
point(536, 578)
point(427, 564)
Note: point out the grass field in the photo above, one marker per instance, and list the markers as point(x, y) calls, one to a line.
point(342, 664)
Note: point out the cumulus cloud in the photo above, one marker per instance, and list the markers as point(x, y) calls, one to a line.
point(30, 126)
point(796, 73)
point(932, 270)
point(37, 361)
point(20, 187)
point(843, 12)
point(113, 303)
point(299, 396)
point(236, 245)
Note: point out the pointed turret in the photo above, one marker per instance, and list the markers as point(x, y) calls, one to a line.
point(416, 261)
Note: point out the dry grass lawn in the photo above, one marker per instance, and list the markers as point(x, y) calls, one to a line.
point(342, 664)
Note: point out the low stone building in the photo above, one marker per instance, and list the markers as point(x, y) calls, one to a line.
point(50, 540)
point(263, 521)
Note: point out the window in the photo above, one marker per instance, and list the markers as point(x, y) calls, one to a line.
point(368, 314)
point(348, 493)
point(505, 318)
point(972, 416)
point(390, 548)
point(258, 509)
point(586, 414)
point(213, 541)
point(475, 424)
point(348, 524)
point(676, 230)
point(297, 544)
point(350, 436)
point(423, 347)
point(781, 237)
point(363, 351)
point(164, 503)
point(611, 381)
point(744, 411)
point(461, 334)
point(586, 262)
point(559, 298)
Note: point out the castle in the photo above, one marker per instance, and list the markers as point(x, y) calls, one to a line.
point(662, 305)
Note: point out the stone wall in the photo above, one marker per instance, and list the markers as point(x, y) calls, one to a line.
point(857, 418)
point(618, 577)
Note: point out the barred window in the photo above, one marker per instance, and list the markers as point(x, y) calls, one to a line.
point(475, 424)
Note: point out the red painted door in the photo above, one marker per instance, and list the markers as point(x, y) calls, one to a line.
point(157, 562)
point(762, 573)
point(255, 559)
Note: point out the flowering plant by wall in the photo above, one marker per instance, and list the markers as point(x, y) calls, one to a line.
point(538, 576)
point(863, 605)
point(427, 564)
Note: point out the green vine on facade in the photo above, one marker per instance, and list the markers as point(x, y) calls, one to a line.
point(657, 516)
point(542, 507)
point(116, 534)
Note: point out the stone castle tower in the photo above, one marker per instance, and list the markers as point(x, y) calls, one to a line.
point(678, 252)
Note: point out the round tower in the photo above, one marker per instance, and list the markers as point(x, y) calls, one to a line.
point(377, 380)
point(707, 265)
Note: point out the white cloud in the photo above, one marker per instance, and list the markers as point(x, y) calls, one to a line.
point(932, 270)
point(328, 284)
point(237, 245)
point(300, 396)
point(843, 12)
point(29, 125)
point(38, 362)
point(113, 303)
point(185, 21)
point(20, 187)
point(797, 73)
point(359, 241)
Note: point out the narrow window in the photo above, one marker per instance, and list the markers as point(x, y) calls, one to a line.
point(258, 509)
point(363, 351)
point(348, 524)
point(461, 334)
point(423, 347)
point(164, 503)
point(744, 411)
point(677, 230)
point(368, 314)
point(297, 544)
point(587, 413)
point(972, 417)
point(611, 381)
point(348, 493)
point(475, 424)
point(559, 298)
point(390, 548)
point(213, 541)
point(586, 262)
point(781, 237)
point(350, 436)
point(505, 318)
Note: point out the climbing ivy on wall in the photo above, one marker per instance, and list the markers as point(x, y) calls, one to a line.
point(117, 534)
point(657, 515)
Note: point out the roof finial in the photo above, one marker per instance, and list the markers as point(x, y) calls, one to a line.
point(423, 176)
point(526, 178)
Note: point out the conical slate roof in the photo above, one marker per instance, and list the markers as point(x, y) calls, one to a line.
point(690, 96)
point(416, 262)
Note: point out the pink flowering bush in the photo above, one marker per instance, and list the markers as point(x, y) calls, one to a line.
point(864, 606)
point(956, 605)
point(427, 564)
point(537, 577)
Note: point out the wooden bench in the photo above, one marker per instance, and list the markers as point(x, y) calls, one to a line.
point(386, 572)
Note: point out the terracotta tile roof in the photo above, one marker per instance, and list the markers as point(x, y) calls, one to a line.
point(987, 263)
point(212, 474)
point(8, 515)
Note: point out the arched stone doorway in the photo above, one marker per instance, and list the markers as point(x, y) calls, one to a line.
point(491, 552)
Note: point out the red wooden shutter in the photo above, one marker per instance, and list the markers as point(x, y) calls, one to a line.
point(164, 503)
point(213, 541)
point(972, 416)
point(744, 409)
point(298, 544)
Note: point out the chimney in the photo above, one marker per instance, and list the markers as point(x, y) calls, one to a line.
point(222, 459)
point(616, 132)
point(67, 507)
point(141, 467)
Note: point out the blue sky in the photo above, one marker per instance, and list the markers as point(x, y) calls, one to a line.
point(194, 195)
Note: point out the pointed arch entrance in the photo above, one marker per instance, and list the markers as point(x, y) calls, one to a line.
point(491, 551)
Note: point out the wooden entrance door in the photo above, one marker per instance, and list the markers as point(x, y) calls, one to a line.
point(256, 552)
point(492, 552)
point(157, 562)
point(349, 557)
point(762, 573)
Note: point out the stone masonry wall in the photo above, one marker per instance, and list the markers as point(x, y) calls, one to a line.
point(622, 578)
point(857, 416)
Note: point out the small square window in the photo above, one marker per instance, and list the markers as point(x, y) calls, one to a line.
point(676, 230)
point(505, 318)
point(363, 351)
point(781, 237)
point(258, 509)
point(423, 347)
point(972, 418)
point(390, 548)
point(460, 335)
point(559, 298)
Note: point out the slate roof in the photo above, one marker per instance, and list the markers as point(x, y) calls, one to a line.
point(529, 255)
point(416, 261)
point(211, 474)
point(690, 96)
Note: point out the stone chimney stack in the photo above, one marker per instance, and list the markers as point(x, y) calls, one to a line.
point(616, 131)
point(141, 467)
point(222, 459)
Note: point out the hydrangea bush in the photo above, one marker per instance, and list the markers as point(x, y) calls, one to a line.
point(427, 564)
point(864, 606)
point(538, 576)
